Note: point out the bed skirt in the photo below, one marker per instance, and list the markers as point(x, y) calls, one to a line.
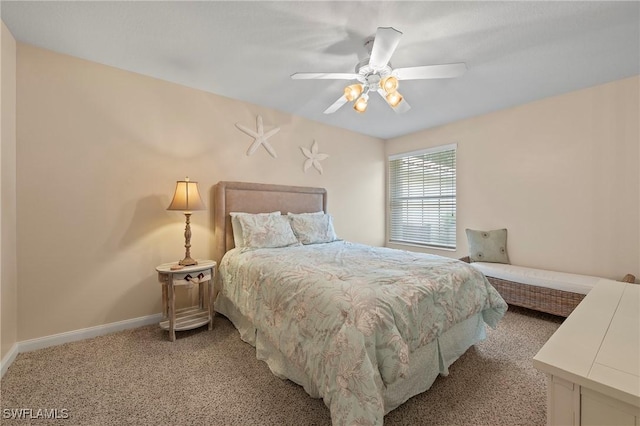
point(425, 364)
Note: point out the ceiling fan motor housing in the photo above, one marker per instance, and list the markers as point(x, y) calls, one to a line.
point(368, 75)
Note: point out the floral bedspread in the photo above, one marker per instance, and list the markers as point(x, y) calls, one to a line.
point(348, 315)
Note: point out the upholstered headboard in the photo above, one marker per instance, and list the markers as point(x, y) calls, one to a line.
point(258, 198)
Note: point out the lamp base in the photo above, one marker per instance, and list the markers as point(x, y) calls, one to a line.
point(188, 261)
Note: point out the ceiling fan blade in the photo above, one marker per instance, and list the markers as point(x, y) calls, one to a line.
point(430, 71)
point(336, 105)
point(323, 76)
point(403, 106)
point(384, 44)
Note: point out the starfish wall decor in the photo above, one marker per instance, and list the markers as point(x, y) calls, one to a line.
point(260, 137)
point(313, 157)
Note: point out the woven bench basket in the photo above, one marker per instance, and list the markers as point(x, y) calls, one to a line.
point(543, 299)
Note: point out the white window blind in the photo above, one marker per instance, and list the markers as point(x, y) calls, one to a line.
point(422, 197)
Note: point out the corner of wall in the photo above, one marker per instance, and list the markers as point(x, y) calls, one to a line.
point(8, 242)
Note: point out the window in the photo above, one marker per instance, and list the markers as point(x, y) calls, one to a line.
point(422, 197)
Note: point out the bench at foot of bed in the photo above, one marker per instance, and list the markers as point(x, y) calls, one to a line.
point(556, 293)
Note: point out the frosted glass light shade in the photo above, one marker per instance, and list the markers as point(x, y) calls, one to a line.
point(389, 84)
point(186, 197)
point(352, 92)
point(394, 98)
point(361, 104)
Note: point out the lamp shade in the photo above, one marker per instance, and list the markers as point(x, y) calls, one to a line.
point(187, 197)
point(352, 92)
point(394, 98)
point(389, 84)
point(361, 103)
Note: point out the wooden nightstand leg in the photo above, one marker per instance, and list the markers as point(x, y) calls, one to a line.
point(172, 311)
point(165, 304)
point(201, 295)
point(211, 298)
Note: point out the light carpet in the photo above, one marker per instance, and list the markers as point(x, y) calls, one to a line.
point(138, 377)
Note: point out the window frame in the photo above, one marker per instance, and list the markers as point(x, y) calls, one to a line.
point(431, 244)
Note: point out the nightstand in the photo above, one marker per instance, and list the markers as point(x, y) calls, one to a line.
point(193, 316)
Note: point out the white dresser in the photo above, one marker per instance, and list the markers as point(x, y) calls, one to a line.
point(592, 361)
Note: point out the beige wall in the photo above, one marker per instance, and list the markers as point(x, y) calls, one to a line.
point(8, 263)
point(99, 151)
point(560, 174)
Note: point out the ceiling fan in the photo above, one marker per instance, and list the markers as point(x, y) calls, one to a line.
point(375, 74)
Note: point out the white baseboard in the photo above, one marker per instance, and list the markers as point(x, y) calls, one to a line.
point(8, 359)
point(73, 336)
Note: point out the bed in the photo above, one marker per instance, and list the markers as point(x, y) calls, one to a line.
point(364, 328)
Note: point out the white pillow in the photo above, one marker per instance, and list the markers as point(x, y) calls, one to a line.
point(267, 231)
point(313, 228)
point(238, 236)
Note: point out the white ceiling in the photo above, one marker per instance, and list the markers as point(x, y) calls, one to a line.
point(516, 52)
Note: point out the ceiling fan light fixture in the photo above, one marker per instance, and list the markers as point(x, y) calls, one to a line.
point(361, 104)
point(352, 92)
point(375, 74)
point(389, 84)
point(394, 98)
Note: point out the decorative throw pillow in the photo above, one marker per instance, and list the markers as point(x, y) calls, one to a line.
point(488, 246)
point(313, 228)
point(236, 226)
point(266, 231)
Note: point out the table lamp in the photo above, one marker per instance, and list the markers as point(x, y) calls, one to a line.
point(187, 199)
